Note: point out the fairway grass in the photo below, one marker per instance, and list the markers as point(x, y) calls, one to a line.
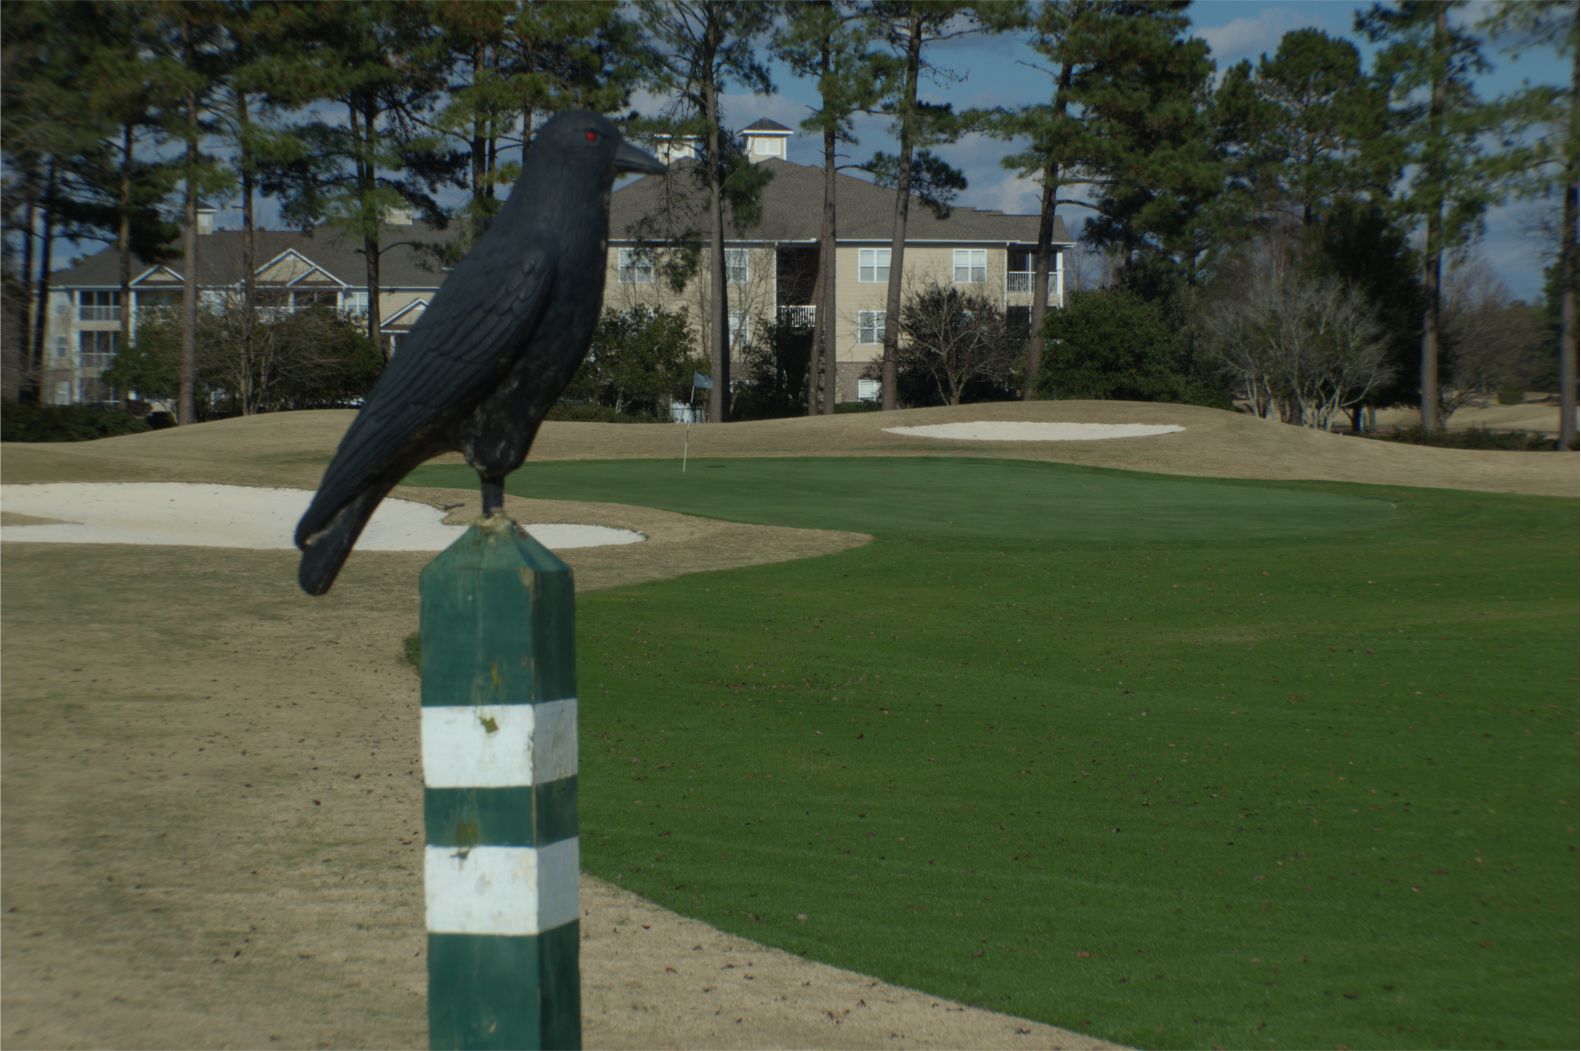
point(1175, 762)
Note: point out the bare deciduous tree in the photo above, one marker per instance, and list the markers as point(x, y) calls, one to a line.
point(1307, 346)
point(953, 338)
point(1491, 340)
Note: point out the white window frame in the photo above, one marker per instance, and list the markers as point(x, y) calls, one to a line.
point(872, 265)
point(737, 266)
point(634, 266)
point(149, 300)
point(97, 356)
point(98, 305)
point(870, 323)
point(354, 302)
point(740, 327)
point(971, 266)
point(303, 298)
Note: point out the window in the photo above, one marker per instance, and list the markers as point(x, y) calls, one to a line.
point(96, 349)
point(354, 304)
point(303, 299)
point(635, 266)
point(99, 306)
point(971, 266)
point(740, 328)
point(272, 303)
point(870, 326)
point(61, 346)
point(736, 266)
point(872, 265)
point(164, 299)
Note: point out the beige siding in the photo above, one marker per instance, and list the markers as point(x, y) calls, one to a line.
point(755, 297)
point(392, 303)
point(924, 264)
point(284, 270)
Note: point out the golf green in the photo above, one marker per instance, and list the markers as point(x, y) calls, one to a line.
point(1177, 762)
point(947, 497)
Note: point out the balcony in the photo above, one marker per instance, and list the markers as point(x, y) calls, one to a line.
point(1021, 281)
point(798, 317)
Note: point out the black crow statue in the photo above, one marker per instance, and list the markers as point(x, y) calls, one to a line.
point(496, 346)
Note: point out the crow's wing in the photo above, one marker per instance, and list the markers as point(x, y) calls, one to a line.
point(463, 346)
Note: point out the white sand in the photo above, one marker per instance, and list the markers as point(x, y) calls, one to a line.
point(1001, 431)
point(171, 513)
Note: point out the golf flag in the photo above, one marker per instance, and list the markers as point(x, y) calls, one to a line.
point(701, 381)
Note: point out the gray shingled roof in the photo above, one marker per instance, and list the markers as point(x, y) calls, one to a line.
point(220, 258)
point(793, 205)
point(764, 124)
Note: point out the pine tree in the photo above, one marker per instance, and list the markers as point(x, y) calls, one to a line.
point(701, 47)
point(1542, 121)
point(1429, 65)
point(1148, 107)
point(909, 28)
point(511, 65)
point(1059, 151)
point(381, 66)
point(828, 40)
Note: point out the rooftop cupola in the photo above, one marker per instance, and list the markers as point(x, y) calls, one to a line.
point(764, 138)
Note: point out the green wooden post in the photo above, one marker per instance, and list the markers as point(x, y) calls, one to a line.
point(499, 799)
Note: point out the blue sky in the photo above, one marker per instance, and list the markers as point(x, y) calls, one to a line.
point(1000, 71)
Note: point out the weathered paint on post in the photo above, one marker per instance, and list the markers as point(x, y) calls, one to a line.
point(499, 745)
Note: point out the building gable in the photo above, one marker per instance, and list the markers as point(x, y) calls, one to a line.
point(291, 267)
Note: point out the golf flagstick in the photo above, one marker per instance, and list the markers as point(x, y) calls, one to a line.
point(686, 441)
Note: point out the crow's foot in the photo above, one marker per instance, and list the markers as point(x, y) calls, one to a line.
point(493, 496)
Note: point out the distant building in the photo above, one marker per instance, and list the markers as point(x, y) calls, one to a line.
point(294, 270)
point(771, 267)
point(772, 263)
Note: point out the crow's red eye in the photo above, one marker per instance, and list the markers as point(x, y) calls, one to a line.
point(590, 136)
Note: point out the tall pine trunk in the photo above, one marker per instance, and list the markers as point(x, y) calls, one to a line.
point(34, 375)
point(827, 353)
point(252, 376)
point(24, 335)
point(186, 410)
point(123, 240)
point(897, 244)
point(719, 329)
point(1433, 256)
point(1040, 281)
point(1048, 207)
point(362, 122)
point(1568, 279)
point(187, 382)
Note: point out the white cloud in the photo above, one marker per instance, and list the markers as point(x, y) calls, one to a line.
point(1252, 37)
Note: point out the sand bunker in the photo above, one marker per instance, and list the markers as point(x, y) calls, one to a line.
point(170, 513)
point(1001, 431)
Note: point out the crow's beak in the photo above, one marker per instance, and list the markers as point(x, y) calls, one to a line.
point(630, 159)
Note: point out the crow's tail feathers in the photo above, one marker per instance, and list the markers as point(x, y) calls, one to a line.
point(325, 548)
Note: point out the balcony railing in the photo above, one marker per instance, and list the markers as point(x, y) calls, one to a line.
point(1021, 281)
point(798, 316)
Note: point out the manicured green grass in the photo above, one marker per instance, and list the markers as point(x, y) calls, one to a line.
point(1176, 762)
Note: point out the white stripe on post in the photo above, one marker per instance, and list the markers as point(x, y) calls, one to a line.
point(501, 890)
point(499, 745)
